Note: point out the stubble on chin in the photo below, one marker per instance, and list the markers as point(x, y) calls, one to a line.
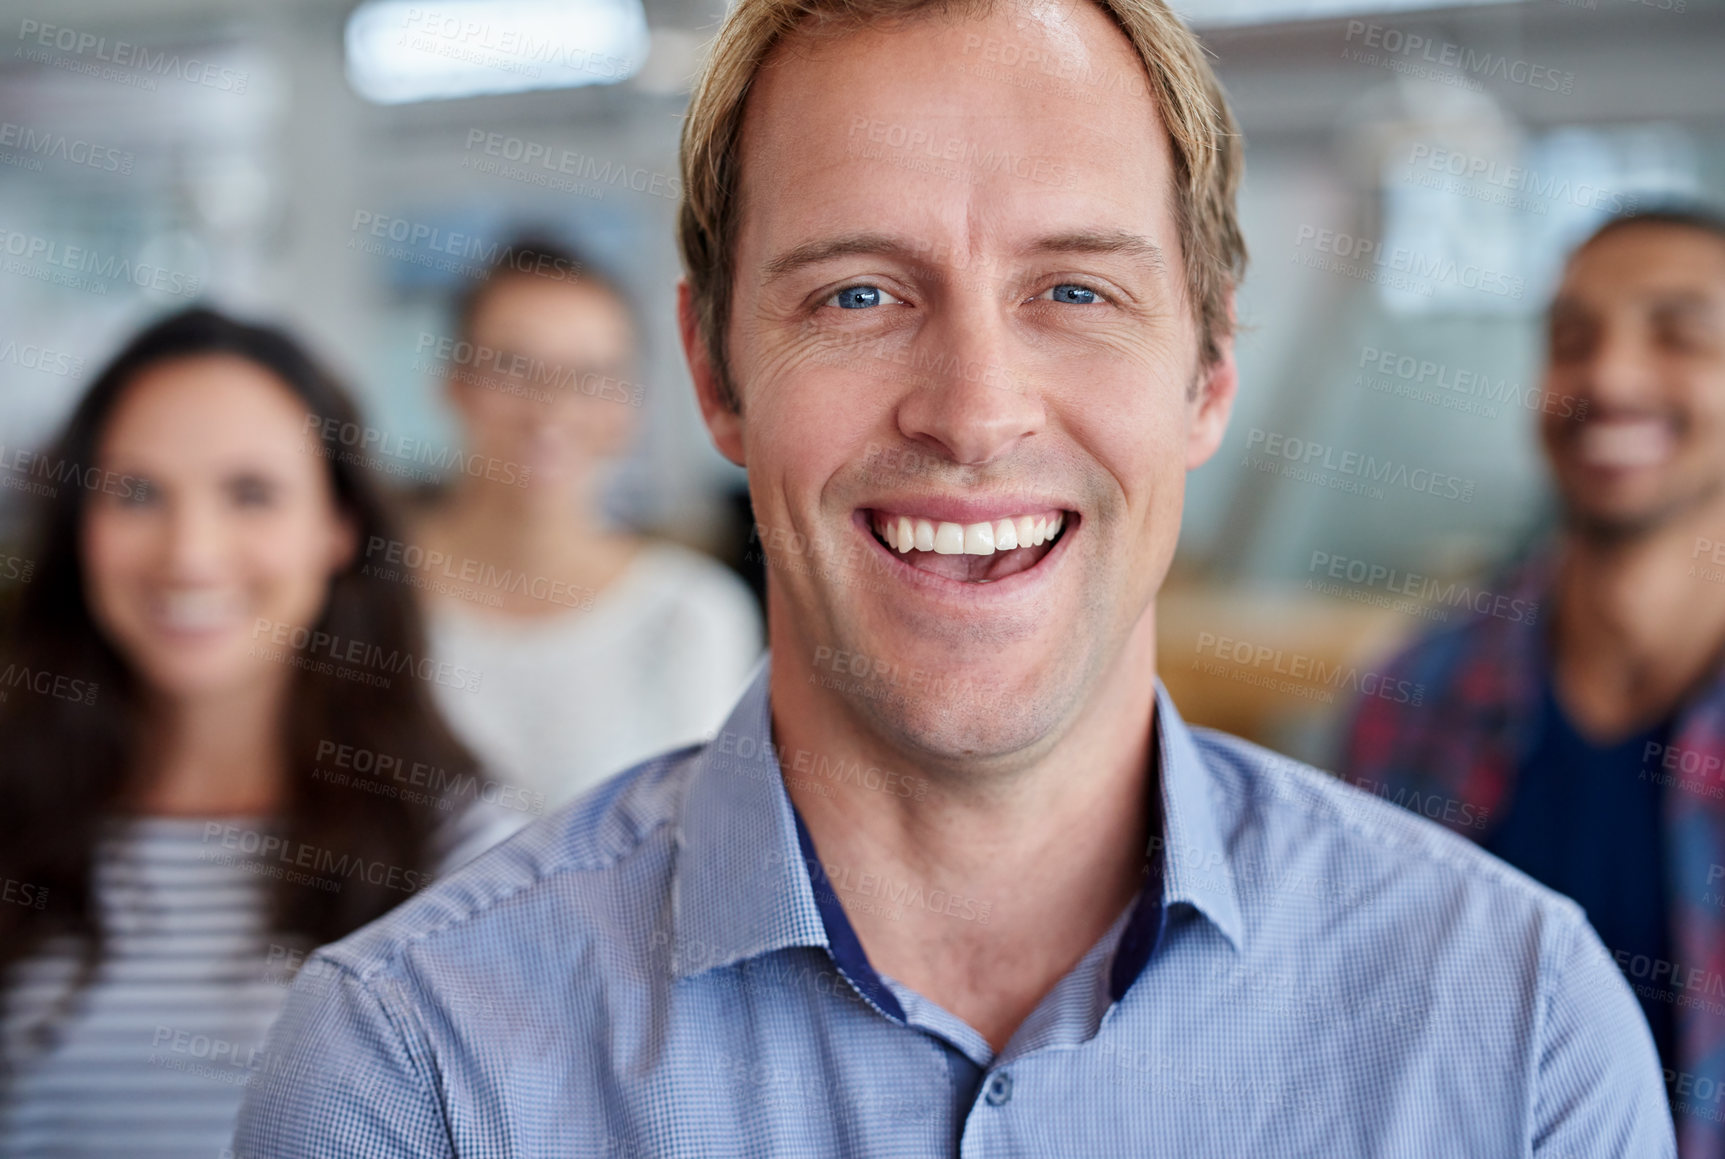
point(1610, 530)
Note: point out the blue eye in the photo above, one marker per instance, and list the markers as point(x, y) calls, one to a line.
point(1072, 295)
point(858, 298)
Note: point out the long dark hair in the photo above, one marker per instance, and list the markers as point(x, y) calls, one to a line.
point(67, 755)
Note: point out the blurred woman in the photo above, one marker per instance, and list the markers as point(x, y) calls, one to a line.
point(599, 647)
point(205, 708)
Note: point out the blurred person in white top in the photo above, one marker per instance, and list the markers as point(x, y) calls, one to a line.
point(599, 647)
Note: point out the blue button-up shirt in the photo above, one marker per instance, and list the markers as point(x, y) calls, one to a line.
point(655, 971)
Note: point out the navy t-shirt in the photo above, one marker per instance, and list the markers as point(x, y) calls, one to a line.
point(1586, 820)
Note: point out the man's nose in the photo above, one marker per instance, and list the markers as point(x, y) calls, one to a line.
point(1619, 370)
point(967, 401)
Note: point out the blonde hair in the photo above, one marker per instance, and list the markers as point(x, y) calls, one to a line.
point(1201, 129)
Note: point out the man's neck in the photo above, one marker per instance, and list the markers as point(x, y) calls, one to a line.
point(1638, 624)
point(981, 892)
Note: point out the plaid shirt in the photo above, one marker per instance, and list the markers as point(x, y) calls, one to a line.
point(1455, 759)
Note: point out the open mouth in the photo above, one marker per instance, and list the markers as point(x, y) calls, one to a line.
point(1624, 444)
point(977, 553)
point(194, 613)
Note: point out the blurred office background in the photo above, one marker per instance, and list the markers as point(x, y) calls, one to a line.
point(1415, 174)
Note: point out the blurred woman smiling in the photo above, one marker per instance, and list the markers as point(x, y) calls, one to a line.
point(183, 833)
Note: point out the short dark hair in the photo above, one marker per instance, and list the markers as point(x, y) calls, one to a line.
point(1686, 214)
point(538, 254)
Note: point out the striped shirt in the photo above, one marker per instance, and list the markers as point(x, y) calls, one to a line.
point(154, 1056)
point(657, 971)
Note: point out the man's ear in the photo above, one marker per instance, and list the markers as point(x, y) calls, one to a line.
point(724, 422)
point(1213, 402)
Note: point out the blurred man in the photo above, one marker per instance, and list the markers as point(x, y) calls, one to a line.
point(955, 877)
point(1585, 744)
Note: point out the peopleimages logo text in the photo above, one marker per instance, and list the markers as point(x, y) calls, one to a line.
point(1519, 179)
point(1431, 268)
point(1412, 46)
point(161, 62)
point(73, 259)
point(1309, 455)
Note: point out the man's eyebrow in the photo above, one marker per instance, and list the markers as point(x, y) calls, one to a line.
point(1684, 302)
point(825, 249)
point(1114, 242)
point(1119, 243)
point(1661, 303)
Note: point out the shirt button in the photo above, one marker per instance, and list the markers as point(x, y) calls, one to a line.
point(999, 1090)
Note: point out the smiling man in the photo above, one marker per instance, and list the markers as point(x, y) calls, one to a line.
point(955, 878)
point(1585, 737)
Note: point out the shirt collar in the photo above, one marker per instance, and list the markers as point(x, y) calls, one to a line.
point(843, 944)
point(741, 888)
point(1196, 869)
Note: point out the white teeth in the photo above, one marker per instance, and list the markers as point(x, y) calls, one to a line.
point(195, 611)
point(979, 539)
point(904, 534)
point(1620, 443)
